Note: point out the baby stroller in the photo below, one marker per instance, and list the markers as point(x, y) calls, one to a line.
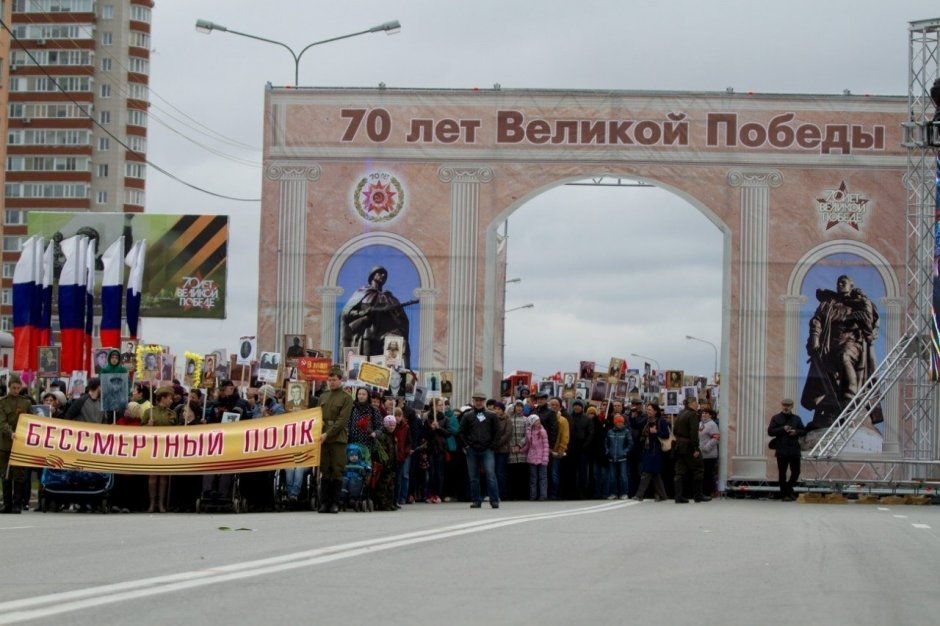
point(356, 475)
point(84, 489)
point(221, 492)
point(309, 492)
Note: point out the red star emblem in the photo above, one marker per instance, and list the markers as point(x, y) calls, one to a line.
point(379, 198)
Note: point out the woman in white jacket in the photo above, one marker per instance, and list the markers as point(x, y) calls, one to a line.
point(708, 438)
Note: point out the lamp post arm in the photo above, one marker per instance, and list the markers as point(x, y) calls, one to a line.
point(277, 43)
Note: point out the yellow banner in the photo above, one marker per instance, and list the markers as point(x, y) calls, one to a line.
point(289, 440)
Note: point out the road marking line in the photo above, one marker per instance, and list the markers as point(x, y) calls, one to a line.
point(901, 516)
point(15, 527)
point(64, 602)
point(920, 525)
point(883, 508)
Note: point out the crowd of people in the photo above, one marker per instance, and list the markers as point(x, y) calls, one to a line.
point(495, 449)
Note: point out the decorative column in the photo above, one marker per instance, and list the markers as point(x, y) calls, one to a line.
point(792, 305)
point(426, 301)
point(291, 243)
point(328, 319)
point(462, 288)
point(749, 460)
point(892, 312)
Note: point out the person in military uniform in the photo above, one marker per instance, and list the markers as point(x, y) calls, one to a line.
point(160, 414)
point(11, 405)
point(688, 455)
point(336, 406)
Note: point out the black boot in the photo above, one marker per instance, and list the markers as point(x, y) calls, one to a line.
point(678, 489)
point(697, 494)
point(9, 499)
point(337, 494)
point(325, 493)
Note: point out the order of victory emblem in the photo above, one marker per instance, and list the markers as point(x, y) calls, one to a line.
point(839, 206)
point(379, 197)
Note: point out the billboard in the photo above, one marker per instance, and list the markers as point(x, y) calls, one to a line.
point(187, 255)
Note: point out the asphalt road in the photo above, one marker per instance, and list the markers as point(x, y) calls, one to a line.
point(725, 562)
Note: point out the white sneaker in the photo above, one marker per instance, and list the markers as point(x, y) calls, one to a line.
point(624, 497)
point(611, 497)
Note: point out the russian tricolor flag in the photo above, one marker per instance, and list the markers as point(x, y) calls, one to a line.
point(112, 284)
point(135, 282)
point(45, 315)
point(90, 254)
point(26, 278)
point(72, 302)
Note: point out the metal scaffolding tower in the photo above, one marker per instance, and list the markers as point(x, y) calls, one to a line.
point(907, 365)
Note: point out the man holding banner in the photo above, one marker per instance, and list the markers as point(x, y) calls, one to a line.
point(336, 406)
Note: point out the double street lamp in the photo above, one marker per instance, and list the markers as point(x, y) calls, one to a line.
point(205, 26)
point(714, 347)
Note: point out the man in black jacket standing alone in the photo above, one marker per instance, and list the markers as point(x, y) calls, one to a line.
point(786, 428)
point(479, 430)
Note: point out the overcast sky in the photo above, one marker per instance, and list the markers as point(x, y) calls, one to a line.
point(206, 122)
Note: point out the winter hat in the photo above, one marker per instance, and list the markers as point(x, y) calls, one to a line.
point(618, 419)
point(133, 410)
point(532, 419)
point(266, 390)
point(389, 421)
point(592, 410)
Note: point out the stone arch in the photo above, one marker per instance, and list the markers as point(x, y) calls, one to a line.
point(892, 306)
point(426, 293)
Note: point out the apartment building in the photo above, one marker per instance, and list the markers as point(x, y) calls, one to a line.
point(75, 92)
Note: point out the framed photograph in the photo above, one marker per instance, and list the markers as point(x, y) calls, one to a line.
point(152, 366)
point(228, 418)
point(375, 375)
point(353, 364)
point(297, 396)
point(115, 391)
point(294, 346)
point(49, 359)
point(547, 387)
point(673, 402)
point(378, 359)
point(587, 370)
point(269, 366)
point(393, 350)
point(247, 349)
point(447, 383)
point(99, 358)
point(616, 370)
point(621, 389)
point(77, 383)
point(168, 367)
point(689, 392)
point(419, 399)
point(599, 389)
point(432, 381)
point(675, 379)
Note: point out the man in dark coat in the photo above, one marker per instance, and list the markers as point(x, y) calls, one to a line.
point(786, 428)
point(479, 430)
point(688, 456)
point(579, 448)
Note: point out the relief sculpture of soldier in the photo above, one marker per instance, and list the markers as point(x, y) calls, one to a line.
point(841, 352)
point(372, 313)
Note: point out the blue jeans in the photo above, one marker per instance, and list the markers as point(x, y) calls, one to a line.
point(554, 477)
point(474, 459)
point(538, 482)
point(404, 474)
point(619, 483)
point(294, 477)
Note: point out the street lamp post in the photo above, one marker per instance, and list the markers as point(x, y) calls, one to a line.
point(648, 358)
point(503, 347)
point(205, 26)
point(714, 347)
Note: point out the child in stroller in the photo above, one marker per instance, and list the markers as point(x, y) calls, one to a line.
point(356, 476)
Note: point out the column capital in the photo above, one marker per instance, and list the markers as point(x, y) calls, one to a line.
point(328, 290)
point(465, 174)
point(755, 178)
point(426, 292)
point(291, 170)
